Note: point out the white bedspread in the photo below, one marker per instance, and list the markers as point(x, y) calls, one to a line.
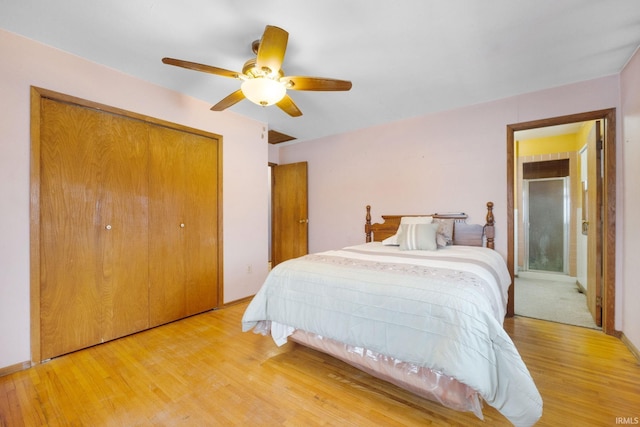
point(439, 309)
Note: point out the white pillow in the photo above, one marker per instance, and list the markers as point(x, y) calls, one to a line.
point(418, 237)
point(393, 240)
point(416, 220)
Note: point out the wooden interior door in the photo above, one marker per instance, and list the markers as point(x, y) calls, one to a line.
point(594, 223)
point(123, 226)
point(70, 292)
point(290, 212)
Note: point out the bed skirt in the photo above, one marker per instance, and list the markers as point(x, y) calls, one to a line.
point(424, 382)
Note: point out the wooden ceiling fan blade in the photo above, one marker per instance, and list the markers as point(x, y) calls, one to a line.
point(316, 83)
point(229, 101)
point(272, 48)
point(201, 67)
point(287, 105)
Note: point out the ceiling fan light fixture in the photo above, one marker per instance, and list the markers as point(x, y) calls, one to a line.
point(263, 79)
point(263, 91)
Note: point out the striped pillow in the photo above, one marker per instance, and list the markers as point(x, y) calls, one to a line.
point(393, 240)
point(418, 237)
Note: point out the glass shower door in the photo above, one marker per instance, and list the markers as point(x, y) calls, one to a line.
point(547, 231)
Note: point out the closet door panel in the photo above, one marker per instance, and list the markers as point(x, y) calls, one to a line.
point(124, 226)
point(201, 231)
point(127, 226)
point(167, 297)
point(70, 294)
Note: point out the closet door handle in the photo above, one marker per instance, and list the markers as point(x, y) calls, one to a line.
point(304, 221)
point(182, 225)
point(107, 227)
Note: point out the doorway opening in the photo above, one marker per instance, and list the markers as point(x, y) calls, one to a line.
point(602, 258)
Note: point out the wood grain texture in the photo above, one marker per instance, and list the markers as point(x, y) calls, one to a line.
point(593, 205)
point(204, 371)
point(124, 247)
point(167, 296)
point(290, 222)
point(94, 279)
point(183, 222)
point(70, 194)
point(201, 223)
point(90, 211)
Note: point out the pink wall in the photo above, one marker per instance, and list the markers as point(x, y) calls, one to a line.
point(630, 147)
point(449, 161)
point(424, 164)
point(417, 165)
point(245, 152)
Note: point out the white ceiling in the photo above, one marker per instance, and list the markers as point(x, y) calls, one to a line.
point(405, 58)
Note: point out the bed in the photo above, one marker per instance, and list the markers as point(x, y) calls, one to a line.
point(420, 304)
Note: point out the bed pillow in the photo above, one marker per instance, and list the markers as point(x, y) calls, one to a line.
point(418, 237)
point(393, 240)
point(444, 236)
point(416, 220)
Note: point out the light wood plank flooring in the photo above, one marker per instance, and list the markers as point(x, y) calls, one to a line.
point(203, 371)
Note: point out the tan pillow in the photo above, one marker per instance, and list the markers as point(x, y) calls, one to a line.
point(444, 235)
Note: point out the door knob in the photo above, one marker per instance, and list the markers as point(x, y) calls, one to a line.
point(107, 227)
point(304, 221)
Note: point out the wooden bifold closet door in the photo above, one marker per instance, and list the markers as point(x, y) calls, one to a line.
point(183, 199)
point(93, 221)
point(128, 226)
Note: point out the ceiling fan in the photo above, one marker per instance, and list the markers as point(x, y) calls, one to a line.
point(263, 79)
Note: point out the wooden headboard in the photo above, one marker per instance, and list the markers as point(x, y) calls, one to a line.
point(463, 233)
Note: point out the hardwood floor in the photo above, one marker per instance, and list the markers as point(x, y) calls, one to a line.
point(204, 371)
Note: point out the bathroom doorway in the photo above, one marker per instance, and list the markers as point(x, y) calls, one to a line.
point(603, 257)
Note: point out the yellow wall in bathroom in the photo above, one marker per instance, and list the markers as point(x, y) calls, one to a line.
point(552, 144)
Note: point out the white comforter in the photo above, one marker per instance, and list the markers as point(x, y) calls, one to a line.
point(439, 309)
